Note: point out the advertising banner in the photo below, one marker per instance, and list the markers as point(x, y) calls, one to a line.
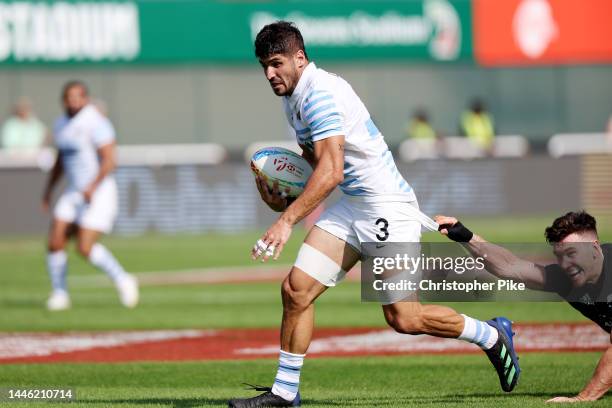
point(150, 32)
point(525, 32)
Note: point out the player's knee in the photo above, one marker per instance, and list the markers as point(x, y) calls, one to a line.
point(56, 243)
point(295, 300)
point(84, 249)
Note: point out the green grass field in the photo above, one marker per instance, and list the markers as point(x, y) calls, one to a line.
point(364, 382)
point(449, 381)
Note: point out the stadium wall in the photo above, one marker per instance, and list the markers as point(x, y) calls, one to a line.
point(234, 106)
point(223, 198)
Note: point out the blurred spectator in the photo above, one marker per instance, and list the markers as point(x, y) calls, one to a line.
point(477, 125)
point(23, 131)
point(419, 126)
point(423, 141)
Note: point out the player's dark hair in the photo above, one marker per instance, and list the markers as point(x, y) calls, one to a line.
point(281, 37)
point(74, 83)
point(568, 224)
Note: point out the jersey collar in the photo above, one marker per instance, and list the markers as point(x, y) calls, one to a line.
point(302, 84)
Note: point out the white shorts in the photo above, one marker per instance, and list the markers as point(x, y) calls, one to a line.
point(356, 222)
point(98, 215)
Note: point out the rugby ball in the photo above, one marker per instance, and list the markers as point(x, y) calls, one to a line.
point(290, 169)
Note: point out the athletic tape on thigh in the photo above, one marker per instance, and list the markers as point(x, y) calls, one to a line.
point(318, 265)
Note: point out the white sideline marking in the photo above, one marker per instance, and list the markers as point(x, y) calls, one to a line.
point(199, 275)
point(528, 338)
point(17, 345)
point(188, 276)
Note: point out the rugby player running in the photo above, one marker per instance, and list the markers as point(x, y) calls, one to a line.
point(85, 142)
point(582, 276)
point(340, 140)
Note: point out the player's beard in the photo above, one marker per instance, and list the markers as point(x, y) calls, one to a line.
point(290, 81)
point(294, 81)
point(280, 91)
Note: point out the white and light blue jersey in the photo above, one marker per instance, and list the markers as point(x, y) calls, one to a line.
point(324, 105)
point(78, 139)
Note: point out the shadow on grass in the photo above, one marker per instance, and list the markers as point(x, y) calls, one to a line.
point(30, 303)
point(193, 402)
point(375, 401)
point(170, 402)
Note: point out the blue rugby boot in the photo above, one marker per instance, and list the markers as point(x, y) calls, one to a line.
point(502, 354)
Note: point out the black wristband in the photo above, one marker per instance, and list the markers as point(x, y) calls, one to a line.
point(457, 232)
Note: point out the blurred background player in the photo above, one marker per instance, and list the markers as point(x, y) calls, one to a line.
point(582, 276)
point(23, 131)
point(477, 125)
point(85, 142)
point(346, 150)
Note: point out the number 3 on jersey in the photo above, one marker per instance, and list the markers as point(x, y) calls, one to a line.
point(383, 224)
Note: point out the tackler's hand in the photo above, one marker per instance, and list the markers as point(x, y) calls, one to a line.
point(444, 223)
point(565, 400)
point(452, 228)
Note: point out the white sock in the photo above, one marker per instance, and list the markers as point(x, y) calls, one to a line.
point(477, 332)
point(287, 381)
point(102, 259)
point(57, 266)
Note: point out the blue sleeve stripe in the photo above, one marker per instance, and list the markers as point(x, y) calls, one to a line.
point(332, 127)
point(314, 93)
point(324, 125)
point(302, 131)
point(320, 109)
point(327, 134)
point(312, 103)
point(323, 119)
